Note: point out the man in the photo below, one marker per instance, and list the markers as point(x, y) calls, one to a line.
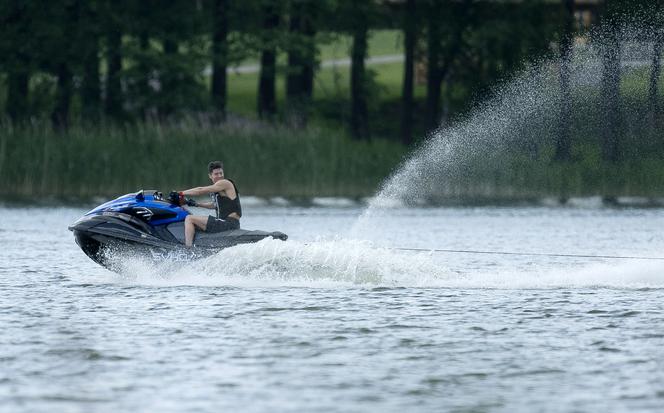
point(225, 199)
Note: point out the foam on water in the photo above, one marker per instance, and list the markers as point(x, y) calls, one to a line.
point(324, 263)
point(626, 275)
point(355, 264)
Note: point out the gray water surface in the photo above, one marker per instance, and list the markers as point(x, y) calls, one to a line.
point(324, 323)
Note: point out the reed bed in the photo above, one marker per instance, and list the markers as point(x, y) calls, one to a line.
point(518, 177)
point(267, 160)
point(263, 159)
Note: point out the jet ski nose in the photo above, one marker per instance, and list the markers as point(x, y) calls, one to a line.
point(279, 235)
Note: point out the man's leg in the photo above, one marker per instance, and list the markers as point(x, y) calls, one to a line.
point(191, 222)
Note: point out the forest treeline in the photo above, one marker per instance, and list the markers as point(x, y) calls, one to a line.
point(130, 60)
point(98, 82)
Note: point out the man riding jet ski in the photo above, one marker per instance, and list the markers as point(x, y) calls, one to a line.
point(148, 224)
point(225, 200)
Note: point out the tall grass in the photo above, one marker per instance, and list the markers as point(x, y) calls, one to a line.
point(268, 160)
point(263, 159)
point(517, 176)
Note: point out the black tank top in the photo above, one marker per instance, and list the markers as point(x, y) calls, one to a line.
point(226, 206)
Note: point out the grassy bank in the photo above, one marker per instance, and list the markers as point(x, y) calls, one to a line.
point(264, 160)
point(268, 160)
point(514, 176)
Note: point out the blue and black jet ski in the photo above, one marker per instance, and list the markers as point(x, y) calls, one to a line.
point(146, 223)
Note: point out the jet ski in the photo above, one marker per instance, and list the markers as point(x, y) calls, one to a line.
point(150, 225)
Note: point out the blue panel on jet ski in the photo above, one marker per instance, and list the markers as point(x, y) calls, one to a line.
point(144, 205)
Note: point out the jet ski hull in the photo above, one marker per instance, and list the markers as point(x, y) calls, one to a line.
point(146, 226)
point(105, 250)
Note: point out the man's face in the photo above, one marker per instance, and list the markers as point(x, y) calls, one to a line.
point(216, 175)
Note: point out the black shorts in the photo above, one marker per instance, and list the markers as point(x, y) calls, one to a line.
point(218, 225)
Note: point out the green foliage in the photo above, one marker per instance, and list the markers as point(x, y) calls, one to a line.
point(166, 48)
point(52, 51)
point(263, 159)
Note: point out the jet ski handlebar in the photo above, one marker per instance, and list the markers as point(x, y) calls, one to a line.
point(177, 198)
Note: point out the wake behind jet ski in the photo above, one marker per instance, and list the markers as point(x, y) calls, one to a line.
point(148, 224)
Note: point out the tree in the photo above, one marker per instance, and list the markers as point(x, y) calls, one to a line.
point(653, 95)
point(89, 37)
point(113, 39)
point(563, 139)
point(15, 46)
point(220, 55)
point(610, 87)
point(359, 15)
point(434, 72)
point(267, 100)
point(168, 77)
point(301, 59)
point(64, 59)
point(655, 69)
point(446, 23)
point(410, 38)
point(179, 68)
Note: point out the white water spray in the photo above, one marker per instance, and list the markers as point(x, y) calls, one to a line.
point(467, 158)
point(344, 264)
point(522, 114)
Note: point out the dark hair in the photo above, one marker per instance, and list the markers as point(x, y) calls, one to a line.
point(215, 165)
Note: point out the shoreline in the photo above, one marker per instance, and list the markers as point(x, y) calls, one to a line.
point(590, 202)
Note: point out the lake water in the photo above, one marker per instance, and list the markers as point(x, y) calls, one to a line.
point(323, 323)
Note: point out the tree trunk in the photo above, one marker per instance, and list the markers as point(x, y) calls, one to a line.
point(447, 98)
point(267, 96)
point(168, 78)
point(267, 102)
point(113, 104)
point(60, 114)
point(301, 61)
point(563, 141)
point(653, 95)
point(408, 78)
point(90, 86)
point(18, 72)
point(146, 100)
point(443, 57)
point(611, 95)
point(295, 55)
point(17, 94)
point(220, 56)
point(63, 71)
point(434, 73)
point(309, 64)
point(359, 116)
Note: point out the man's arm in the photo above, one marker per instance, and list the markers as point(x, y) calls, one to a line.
point(204, 190)
point(208, 205)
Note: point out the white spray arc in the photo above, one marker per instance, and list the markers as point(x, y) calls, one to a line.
point(523, 113)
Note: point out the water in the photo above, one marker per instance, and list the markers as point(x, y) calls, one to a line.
point(336, 319)
point(322, 324)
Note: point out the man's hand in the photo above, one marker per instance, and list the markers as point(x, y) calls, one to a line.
point(176, 198)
